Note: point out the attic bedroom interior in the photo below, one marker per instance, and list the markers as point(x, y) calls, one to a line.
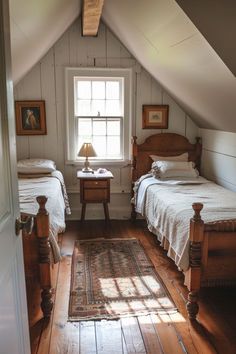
point(117, 169)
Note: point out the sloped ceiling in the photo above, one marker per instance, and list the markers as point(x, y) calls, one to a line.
point(35, 26)
point(157, 32)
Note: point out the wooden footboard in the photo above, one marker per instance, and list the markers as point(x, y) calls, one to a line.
point(37, 260)
point(212, 256)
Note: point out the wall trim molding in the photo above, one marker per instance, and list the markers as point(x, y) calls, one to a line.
point(97, 213)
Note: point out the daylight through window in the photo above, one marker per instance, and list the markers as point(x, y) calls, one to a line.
point(99, 111)
point(99, 114)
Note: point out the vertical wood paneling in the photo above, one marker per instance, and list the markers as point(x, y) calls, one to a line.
point(96, 46)
point(61, 59)
point(156, 92)
point(73, 50)
point(219, 157)
point(22, 146)
point(22, 142)
point(47, 81)
point(144, 96)
point(176, 116)
point(192, 130)
point(32, 91)
point(113, 45)
point(48, 91)
point(124, 53)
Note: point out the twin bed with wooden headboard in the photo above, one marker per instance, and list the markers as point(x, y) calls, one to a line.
point(194, 219)
point(43, 199)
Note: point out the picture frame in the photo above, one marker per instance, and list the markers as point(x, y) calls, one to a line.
point(30, 118)
point(155, 116)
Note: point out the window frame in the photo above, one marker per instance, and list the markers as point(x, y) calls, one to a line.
point(72, 119)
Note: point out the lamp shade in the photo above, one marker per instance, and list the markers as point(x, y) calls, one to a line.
point(87, 150)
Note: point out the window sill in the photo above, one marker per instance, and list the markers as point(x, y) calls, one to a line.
point(100, 163)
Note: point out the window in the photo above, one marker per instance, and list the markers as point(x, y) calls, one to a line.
point(99, 111)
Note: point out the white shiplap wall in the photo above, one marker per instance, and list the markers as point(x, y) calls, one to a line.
point(47, 81)
point(219, 157)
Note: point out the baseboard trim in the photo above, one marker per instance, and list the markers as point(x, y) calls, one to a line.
point(97, 213)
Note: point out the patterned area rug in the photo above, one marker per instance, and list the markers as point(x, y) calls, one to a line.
point(114, 278)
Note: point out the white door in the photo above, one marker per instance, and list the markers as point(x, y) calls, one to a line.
point(14, 336)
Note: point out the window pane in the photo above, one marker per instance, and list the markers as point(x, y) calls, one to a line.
point(85, 127)
point(83, 108)
point(84, 89)
point(98, 108)
point(113, 90)
point(113, 108)
point(99, 127)
point(99, 98)
point(113, 127)
point(99, 144)
point(113, 146)
point(98, 90)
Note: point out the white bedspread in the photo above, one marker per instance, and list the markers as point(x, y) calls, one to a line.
point(167, 206)
point(51, 187)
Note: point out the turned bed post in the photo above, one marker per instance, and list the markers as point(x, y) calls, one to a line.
point(134, 172)
point(195, 256)
point(42, 224)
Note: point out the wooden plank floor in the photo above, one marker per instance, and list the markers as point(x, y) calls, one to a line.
point(215, 333)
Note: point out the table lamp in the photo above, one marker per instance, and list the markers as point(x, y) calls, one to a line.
point(87, 151)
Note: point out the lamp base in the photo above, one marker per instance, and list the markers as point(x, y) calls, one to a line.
point(87, 170)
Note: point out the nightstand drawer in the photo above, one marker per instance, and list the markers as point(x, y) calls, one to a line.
point(96, 195)
point(95, 184)
point(95, 188)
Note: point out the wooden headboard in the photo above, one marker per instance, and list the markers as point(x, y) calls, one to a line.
point(163, 144)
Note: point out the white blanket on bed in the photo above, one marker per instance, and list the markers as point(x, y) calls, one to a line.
point(51, 187)
point(167, 207)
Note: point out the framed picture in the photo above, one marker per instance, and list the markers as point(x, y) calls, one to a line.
point(155, 116)
point(30, 118)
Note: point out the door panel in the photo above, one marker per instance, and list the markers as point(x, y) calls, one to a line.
point(14, 334)
point(8, 324)
point(4, 207)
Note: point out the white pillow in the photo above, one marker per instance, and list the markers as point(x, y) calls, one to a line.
point(182, 157)
point(31, 166)
point(167, 169)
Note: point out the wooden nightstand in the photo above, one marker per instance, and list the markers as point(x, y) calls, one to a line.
point(95, 188)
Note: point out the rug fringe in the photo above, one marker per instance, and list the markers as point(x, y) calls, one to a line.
point(106, 239)
point(123, 315)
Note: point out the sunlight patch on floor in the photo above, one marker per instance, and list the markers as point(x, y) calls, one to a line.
point(129, 286)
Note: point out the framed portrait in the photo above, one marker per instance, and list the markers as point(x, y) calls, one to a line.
point(155, 116)
point(30, 118)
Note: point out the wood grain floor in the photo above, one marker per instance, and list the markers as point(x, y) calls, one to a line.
point(215, 332)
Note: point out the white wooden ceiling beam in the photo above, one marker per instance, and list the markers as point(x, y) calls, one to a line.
point(92, 10)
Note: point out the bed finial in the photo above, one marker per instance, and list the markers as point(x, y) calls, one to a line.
point(197, 207)
point(42, 200)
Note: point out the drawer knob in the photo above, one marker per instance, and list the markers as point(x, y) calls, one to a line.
point(96, 182)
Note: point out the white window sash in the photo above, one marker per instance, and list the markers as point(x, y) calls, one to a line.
point(72, 122)
point(106, 118)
